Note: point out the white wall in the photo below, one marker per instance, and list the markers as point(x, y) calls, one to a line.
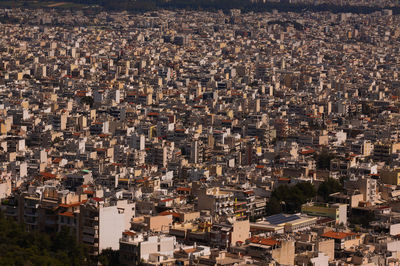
point(167, 246)
point(111, 226)
point(5, 189)
point(394, 229)
point(393, 246)
point(112, 222)
point(321, 260)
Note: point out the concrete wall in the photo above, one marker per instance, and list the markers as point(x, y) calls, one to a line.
point(285, 254)
point(390, 177)
point(205, 202)
point(321, 260)
point(353, 242)
point(241, 231)
point(355, 200)
point(394, 229)
point(162, 245)
point(111, 226)
point(342, 214)
point(159, 223)
point(5, 189)
point(113, 221)
point(393, 246)
point(327, 247)
point(189, 216)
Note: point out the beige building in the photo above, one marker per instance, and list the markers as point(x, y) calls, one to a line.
point(150, 249)
point(344, 240)
point(230, 233)
point(285, 254)
point(217, 201)
point(390, 176)
point(102, 223)
point(160, 223)
point(337, 211)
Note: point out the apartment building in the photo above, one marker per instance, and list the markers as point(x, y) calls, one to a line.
point(136, 248)
point(101, 223)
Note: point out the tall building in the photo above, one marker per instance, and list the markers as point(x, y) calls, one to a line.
point(102, 223)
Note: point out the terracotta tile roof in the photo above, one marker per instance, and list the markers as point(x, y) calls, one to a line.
point(174, 214)
point(190, 250)
point(183, 189)
point(305, 152)
point(263, 241)
point(129, 233)
point(153, 114)
point(68, 214)
point(47, 175)
point(97, 199)
point(337, 235)
point(166, 200)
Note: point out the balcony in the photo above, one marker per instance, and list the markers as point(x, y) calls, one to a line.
point(31, 222)
point(88, 230)
point(50, 222)
point(34, 206)
point(31, 214)
point(91, 218)
point(11, 212)
point(88, 239)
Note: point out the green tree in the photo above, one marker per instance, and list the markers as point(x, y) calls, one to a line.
point(290, 198)
point(328, 187)
point(109, 257)
point(273, 206)
point(307, 188)
point(19, 247)
point(324, 160)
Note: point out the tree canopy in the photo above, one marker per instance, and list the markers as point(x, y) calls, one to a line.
point(328, 187)
point(324, 160)
point(290, 198)
point(19, 247)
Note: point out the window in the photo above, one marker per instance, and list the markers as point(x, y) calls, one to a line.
point(158, 247)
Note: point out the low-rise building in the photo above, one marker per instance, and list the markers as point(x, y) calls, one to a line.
point(337, 211)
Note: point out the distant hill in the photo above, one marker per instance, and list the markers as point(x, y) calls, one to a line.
point(209, 5)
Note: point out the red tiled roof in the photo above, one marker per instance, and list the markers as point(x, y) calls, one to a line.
point(190, 250)
point(129, 233)
point(183, 189)
point(263, 241)
point(57, 160)
point(97, 199)
point(166, 200)
point(68, 214)
point(174, 214)
point(47, 175)
point(153, 114)
point(337, 235)
point(305, 152)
